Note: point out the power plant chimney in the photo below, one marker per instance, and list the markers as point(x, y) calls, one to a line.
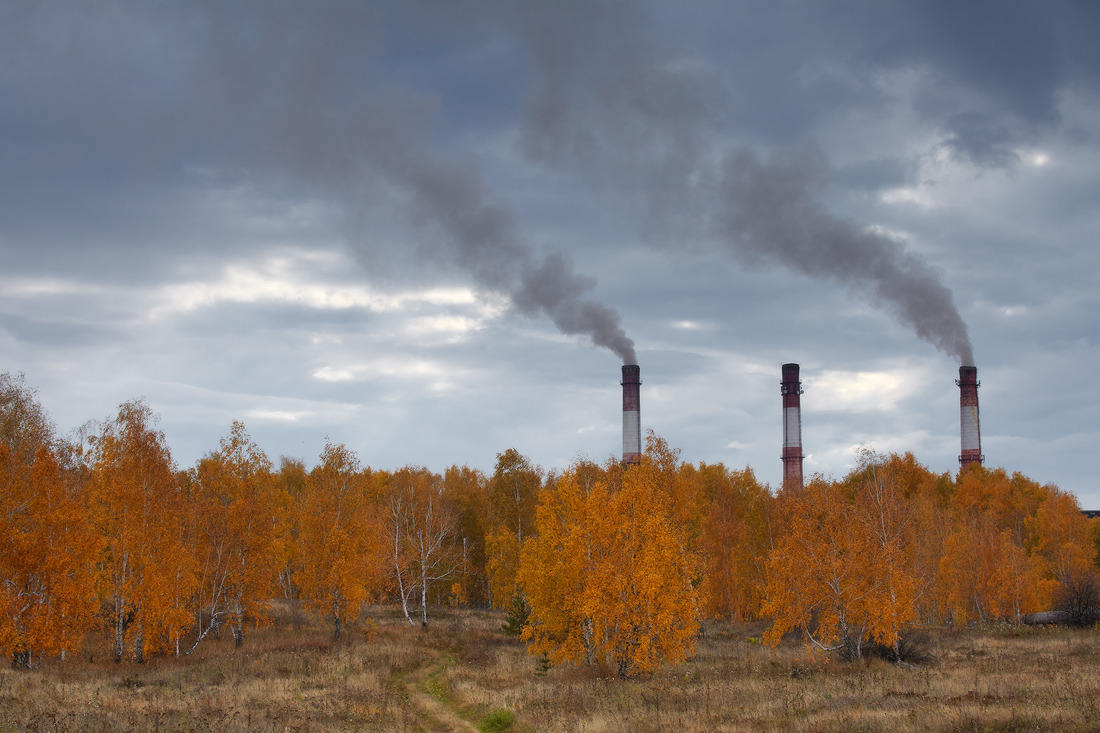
point(632, 424)
point(791, 388)
point(968, 409)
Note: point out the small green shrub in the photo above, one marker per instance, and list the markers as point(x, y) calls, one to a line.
point(497, 721)
point(518, 613)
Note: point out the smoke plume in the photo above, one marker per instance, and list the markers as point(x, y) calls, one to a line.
point(379, 139)
point(481, 238)
point(648, 123)
point(766, 211)
point(287, 96)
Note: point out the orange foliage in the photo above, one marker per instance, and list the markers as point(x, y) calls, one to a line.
point(235, 526)
point(836, 575)
point(735, 540)
point(466, 492)
point(1062, 541)
point(985, 575)
point(46, 549)
point(513, 496)
point(609, 577)
point(137, 508)
point(340, 552)
point(618, 564)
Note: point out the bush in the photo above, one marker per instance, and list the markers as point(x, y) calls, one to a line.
point(497, 721)
point(1079, 597)
point(914, 647)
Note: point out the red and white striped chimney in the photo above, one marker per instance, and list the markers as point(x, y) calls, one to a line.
point(968, 411)
point(791, 388)
point(632, 424)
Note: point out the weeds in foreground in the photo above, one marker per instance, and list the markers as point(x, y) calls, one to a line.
point(463, 673)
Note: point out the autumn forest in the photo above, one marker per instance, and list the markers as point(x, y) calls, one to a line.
point(109, 549)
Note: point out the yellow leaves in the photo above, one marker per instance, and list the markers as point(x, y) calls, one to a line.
point(985, 575)
point(340, 548)
point(466, 493)
point(1062, 535)
point(860, 558)
point(835, 576)
point(614, 561)
point(502, 563)
point(512, 497)
point(46, 550)
point(234, 533)
point(735, 540)
point(608, 577)
point(137, 507)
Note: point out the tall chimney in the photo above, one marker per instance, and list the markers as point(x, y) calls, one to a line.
point(632, 424)
point(968, 412)
point(791, 388)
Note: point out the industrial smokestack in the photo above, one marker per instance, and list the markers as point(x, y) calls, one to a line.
point(632, 424)
point(968, 408)
point(791, 388)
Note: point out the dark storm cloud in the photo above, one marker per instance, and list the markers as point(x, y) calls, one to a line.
point(791, 64)
point(602, 78)
point(995, 69)
point(296, 93)
point(281, 94)
point(1007, 50)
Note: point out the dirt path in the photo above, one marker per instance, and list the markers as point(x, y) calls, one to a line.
point(436, 714)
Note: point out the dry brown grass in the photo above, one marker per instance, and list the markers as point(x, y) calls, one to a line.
point(386, 676)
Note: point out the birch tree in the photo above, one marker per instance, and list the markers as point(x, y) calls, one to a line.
point(423, 540)
point(832, 577)
point(235, 503)
point(339, 542)
point(735, 541)
point(609, 574)
point(137, 508)
point(513, 496)
point(46, 546)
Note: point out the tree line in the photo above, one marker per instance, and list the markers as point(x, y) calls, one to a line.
point(107, 544)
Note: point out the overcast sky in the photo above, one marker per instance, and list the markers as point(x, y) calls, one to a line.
point(433, 231)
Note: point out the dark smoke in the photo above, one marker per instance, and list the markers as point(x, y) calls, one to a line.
point(379, 139)
point(767, 212)
point(482, 239)
point(648, 123)
point(553, 288)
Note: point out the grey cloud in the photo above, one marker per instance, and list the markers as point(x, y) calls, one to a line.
point(981, 140)
point(56, 332)
point(876, 175)
point(288, 96)
point(1008, 51)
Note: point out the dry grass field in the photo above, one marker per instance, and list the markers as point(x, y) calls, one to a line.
point(462, 674)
